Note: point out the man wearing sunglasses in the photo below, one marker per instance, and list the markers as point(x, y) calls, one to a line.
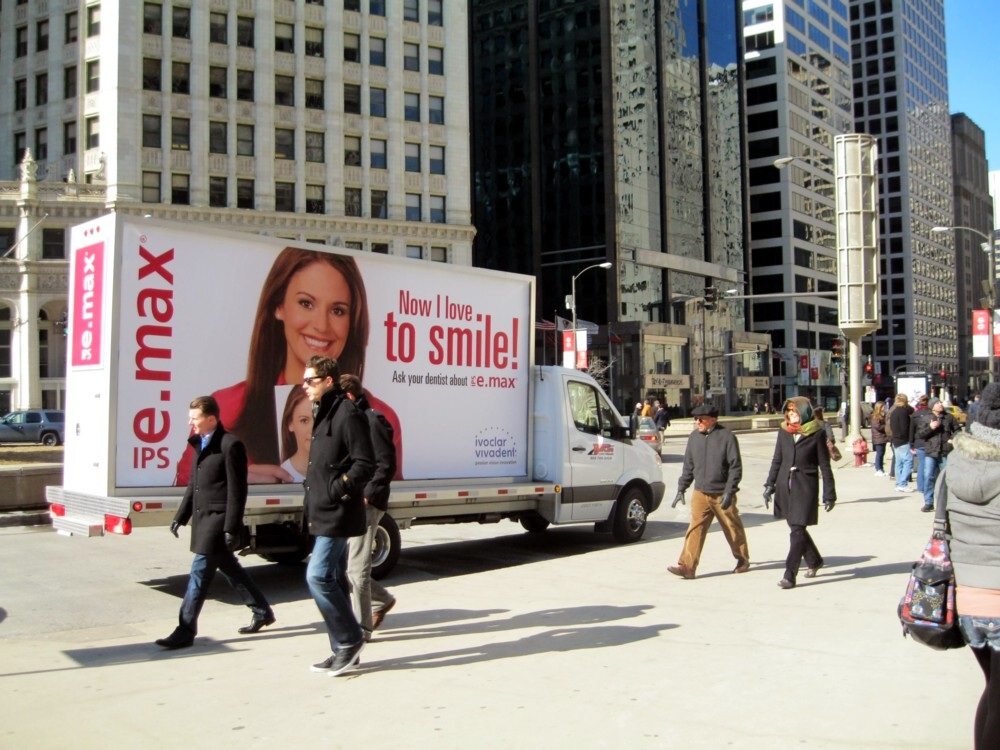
point(712, 462)
point(341, 462)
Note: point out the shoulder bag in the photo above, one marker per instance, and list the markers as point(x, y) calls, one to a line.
point(927, 609)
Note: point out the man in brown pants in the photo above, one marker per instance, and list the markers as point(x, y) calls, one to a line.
point(712, 462)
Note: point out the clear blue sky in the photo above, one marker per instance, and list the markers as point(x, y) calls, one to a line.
point(973, 31)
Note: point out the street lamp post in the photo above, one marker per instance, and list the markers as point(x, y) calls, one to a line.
point(605, 264)
point(987, 247)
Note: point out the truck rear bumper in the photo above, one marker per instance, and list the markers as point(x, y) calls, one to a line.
point(79, 514)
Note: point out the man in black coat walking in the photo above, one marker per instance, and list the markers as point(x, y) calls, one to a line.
point(214, 501)
point(341, 463)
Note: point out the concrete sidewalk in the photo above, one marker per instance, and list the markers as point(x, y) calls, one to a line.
point(500, 639)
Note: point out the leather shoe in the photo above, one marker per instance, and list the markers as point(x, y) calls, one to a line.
point(257, 623)
point(811, 573)
point(786, 584)
point(681, 570)
point(742, 566)
point(175, 640)
point(379, 615)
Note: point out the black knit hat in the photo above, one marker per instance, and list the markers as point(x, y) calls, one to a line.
point(989, 407)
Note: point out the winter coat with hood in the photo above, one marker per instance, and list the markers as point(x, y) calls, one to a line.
point(972, 479)
point(800, 457)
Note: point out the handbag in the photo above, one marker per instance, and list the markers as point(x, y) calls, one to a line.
point(834, 450)
point(927, 609)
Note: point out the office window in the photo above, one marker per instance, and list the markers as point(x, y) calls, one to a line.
point(380, 247)
point(314, 93)
point(376, 7)
point(20, 144)
point(217, 29)
point(151, 132)
point(315, 199)
point(180, 77)
point(435, 60)
point(218, 82)
point(352, 150)
point(71, 27)
point(352, 98)
point(380, 204)
point(245, 193)
point(41, 144)
point(21, 41)
point(150, 187)
point(218, 191)
point(434, 13)
point(151, 75)
point(93, 76)
point(412, 207)
point(376, 103)
point(93, 20)
point(152, 18)
point(284, 90)
point(376, 51)
point(284, 143)
point(182, 23)
point(352, 201)
point(314, 2)
point(69, 138)
point(411, 107)
point(436, 159)
point(244, 31)
point(435, 109)
point(244, 140)
point(217, 137)
point(53, 244)
point(180, 133)
point(416, 252)
point(411, 56)
point(315, 147)
point(244, 85)
point(41, 36)
point(352, 48)
point(284, 196)
point(20, 93)
point(411, 10)
point(284, 37)
point(378, 154)
point(69, 82)
point(437, 209)
point(314, 41)
point(439, 254)
point(352, 4)
point(180, 189)
point(42, 88)
point(412, 157)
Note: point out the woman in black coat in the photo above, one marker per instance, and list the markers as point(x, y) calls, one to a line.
point(800, 456)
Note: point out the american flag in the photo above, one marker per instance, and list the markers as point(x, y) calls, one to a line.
point(544, 325)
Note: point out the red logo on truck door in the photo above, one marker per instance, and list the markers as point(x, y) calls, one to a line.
point(88, 299)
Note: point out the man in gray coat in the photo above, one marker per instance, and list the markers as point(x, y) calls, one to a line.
point(214, 501)
point(712, 462)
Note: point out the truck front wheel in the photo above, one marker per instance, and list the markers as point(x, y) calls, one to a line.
point(630, 516)
point(385, 547)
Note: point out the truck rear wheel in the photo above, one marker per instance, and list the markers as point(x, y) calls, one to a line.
point(533, 522)
point(630, 516)
point(385, 547)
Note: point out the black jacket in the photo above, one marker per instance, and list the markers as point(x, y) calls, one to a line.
point(216, 494)
point(795, 471)
point(377, 489)
point(936, 439)
point(341, 462)
point(899, 424)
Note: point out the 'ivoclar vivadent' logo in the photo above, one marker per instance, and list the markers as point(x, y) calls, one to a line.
point(494, 446)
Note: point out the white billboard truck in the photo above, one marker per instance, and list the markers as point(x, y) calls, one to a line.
point(163, 312)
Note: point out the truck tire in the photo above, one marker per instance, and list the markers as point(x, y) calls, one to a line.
point(50, 438)
point(533, 523)
point(385, 547)
point(629, 516)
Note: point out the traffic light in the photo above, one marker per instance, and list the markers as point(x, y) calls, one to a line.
point(836, 353)
point(868, 367)
point(711, 297)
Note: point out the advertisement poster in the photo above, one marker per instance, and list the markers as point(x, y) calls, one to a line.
point(443, 352)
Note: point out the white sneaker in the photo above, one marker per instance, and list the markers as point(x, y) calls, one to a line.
point(897, 488)
point(880, 473)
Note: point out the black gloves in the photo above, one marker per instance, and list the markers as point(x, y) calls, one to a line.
point(768, 494)
point(173, 528)
point(727, 500)
point(678, 499)
point(232, 542)
point(342, 488)
point(828, 504)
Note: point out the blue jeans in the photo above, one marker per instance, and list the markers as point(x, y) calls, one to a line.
point(880, 457)
point(203, 569)
point(919, 461)
point(932, 465)
point(326, 576)
point(904, 464)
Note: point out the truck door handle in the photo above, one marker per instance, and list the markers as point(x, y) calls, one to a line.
point(579, 448)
